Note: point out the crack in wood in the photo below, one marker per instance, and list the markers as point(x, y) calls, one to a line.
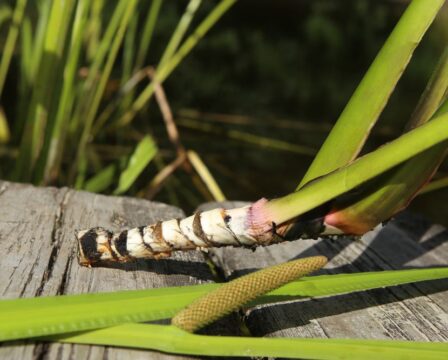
point(385, 314)
point(411, 290)
point(65, 276)
point(55, 242)
point(40, 351)
point(388, 322)
point(377, 262)
point(29, 278)
point(43, 236)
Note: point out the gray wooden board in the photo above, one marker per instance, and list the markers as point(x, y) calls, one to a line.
point(37, 228)
point(37, 232)
point(411, 312)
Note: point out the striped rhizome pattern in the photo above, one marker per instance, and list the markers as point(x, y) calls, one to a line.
point(248, 226)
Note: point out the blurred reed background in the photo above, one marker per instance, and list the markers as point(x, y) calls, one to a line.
point(138, 98)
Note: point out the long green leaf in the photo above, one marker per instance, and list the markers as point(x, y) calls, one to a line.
point(105, 43)
point(173, 340)
point(26, 59)
point(44, 10)
point(325, 285)
point(104, 77)
point(11, 39)
point(53, 147)
point(390, 194)
point(435, 185)
point(180, 31)
point(143, 154)
point(45, 95)
point(434, 94)
point(128, 52)
point(176, 59)
point(23, 318)
point(363, 169)
point(90, 84)
point(4, 128)
point(94, 28)
point(25, 76)
point(366, 104)
point(5, 14)
point(102, 180)
point(30, 59)
point(148, 31)
point(45, 87)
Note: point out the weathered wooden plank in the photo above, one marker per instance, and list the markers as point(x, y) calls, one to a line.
point(412, 312)
point(27, 218)
point(37, 228)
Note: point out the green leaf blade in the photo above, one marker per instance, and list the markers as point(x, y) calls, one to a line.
point(144, 152)
point(363, 169)
point(173, 340)
point(366, 104)
point(102, 180)
point(24, 318)
point(325, 285)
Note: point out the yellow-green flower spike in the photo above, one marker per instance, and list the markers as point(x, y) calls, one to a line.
point(236, 293)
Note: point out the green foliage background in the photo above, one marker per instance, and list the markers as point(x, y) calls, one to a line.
point(280, 69)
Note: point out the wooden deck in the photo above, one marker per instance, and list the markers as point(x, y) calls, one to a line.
point(37, 233)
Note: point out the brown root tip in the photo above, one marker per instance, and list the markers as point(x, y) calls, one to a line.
point(88, 252)
point(236, 293)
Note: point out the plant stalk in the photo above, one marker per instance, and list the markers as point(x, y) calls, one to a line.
point(257, 224)
point(367, 102)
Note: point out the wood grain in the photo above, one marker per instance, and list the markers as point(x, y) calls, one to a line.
point(37, 228)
